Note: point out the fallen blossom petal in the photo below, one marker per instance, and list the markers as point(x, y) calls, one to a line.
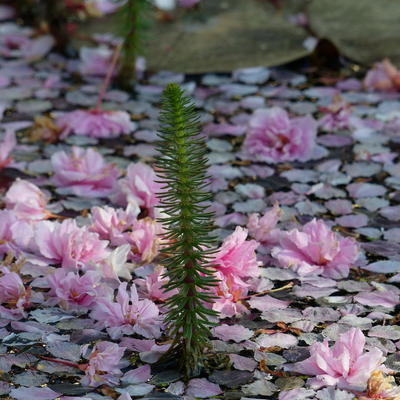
point(237, 333)
point(84, 172)
point(274, 137)
point(97, 124)
point(137, 375)
point(243, 363)
point(377, 298)
point(202, 388)
point(344, 365)
point(34, 393)
point(265, 303)
point(277, 339)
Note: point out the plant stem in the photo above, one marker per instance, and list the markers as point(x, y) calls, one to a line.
point(108, 77)
point(182, 167)
point(127, 72)
point(287, 286)
point(81, 367)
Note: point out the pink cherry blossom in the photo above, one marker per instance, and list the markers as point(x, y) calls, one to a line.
point(237, 256)
point(67, 244)
point(6, 147)
point(229, 293)
point(139, 187)
point(336, 115)
point(263, 229)
point(104, 365)
point(15, 234)
point(121, 227)
point(72, 290)
point(116, 264)
point(144, 240)
point(384, 77)
point(84, 172)
point(110, 223)
point(274, 137)
point(12, 290)
point(344, 365)
point(26, 200)
point(7, 220)
point(95, 123)
point(150, 286)
point(21, 235)
point(316, 249)
point(128, 314)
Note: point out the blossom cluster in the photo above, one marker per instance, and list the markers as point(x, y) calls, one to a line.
point(100, 264)
point(115, 240)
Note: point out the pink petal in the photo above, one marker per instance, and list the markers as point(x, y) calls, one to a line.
point(243, 363)
point(137, 375)
point(34, 393)
point(385, 299)
point(359, 190)
point(283, 340)
point(265, 303)
point(352, 221)
point(237, 333)
point(202, 388)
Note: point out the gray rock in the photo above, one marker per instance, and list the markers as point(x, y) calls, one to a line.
point(345, 22)
point(33, 106)
point(296, 354)
point(166, 377)
point(393, 362)
point(220, 36)
point(231, 395)
point(293, 382)
point(261, 387)
point(161, 396)
point(50, 315)
point(273, 359)
point(231, 379)
point(385, 332)
point(359, 322)
point(30, 378)
point(69, 389)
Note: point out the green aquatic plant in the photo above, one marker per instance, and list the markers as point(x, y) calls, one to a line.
point(132, 25)
point(182, 168)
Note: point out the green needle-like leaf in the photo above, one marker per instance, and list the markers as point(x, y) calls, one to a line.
point(182, 167)
point(133, 24)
